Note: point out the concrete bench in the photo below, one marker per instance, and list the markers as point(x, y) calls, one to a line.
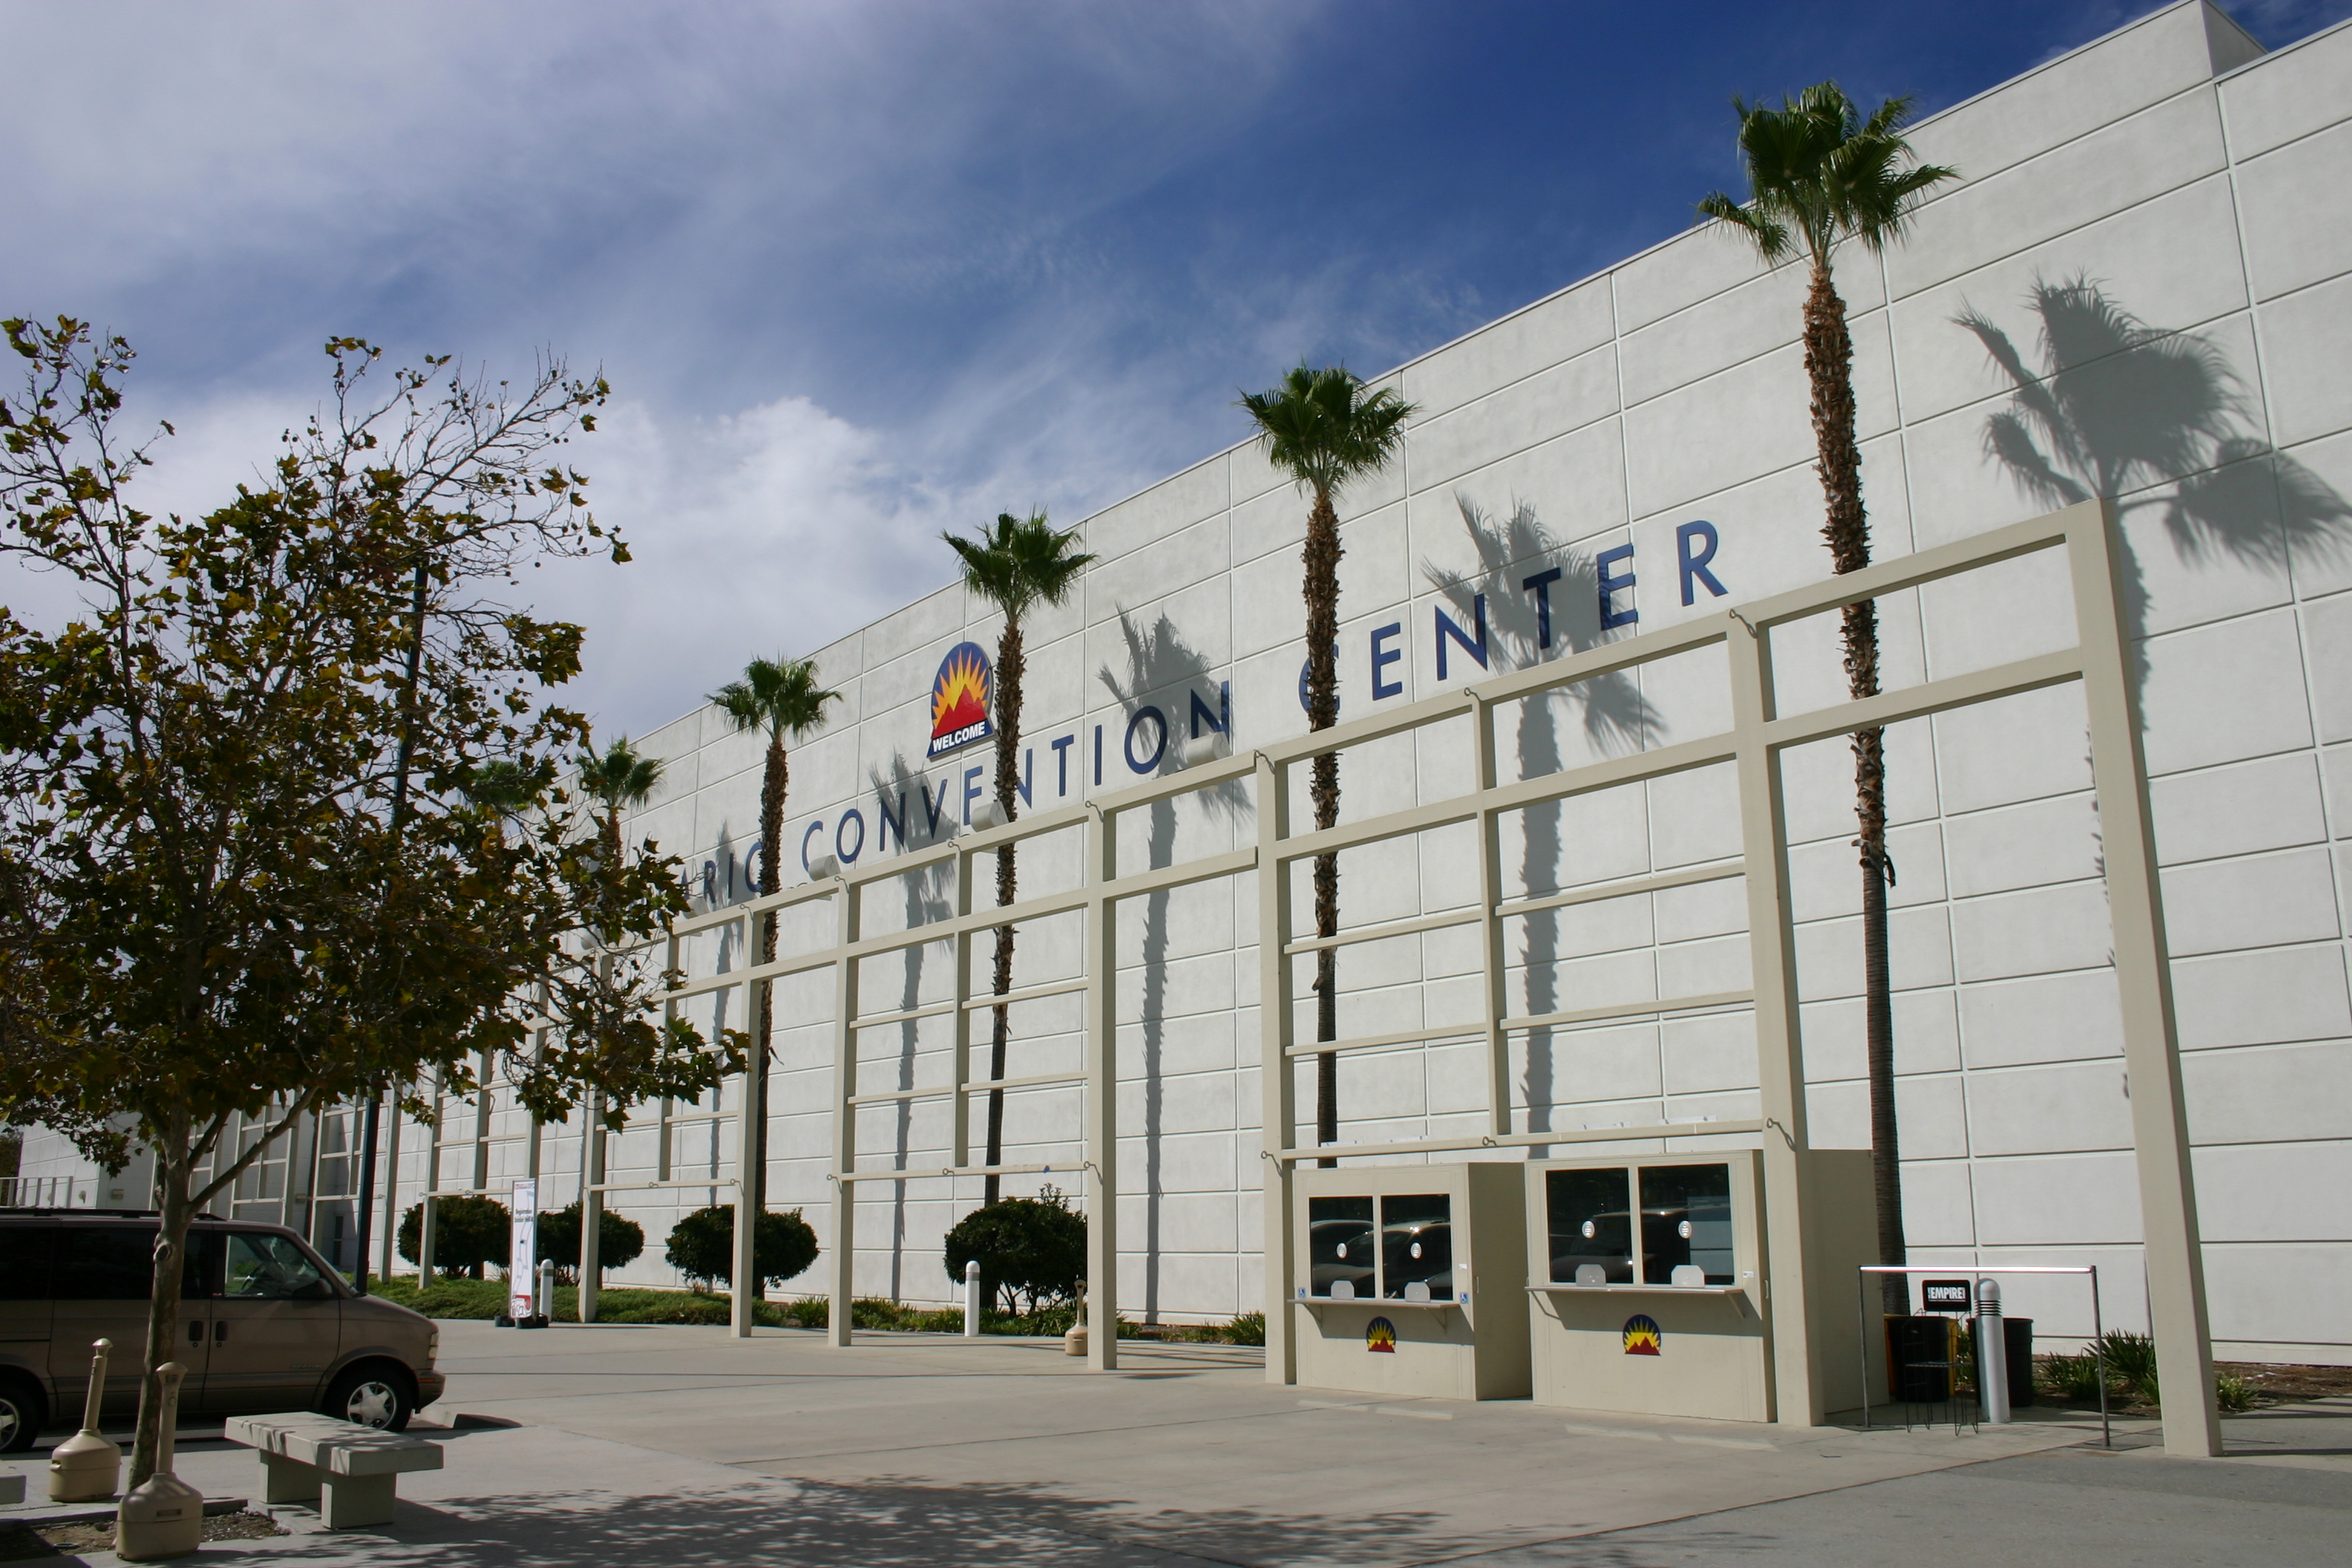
point(349, 1468)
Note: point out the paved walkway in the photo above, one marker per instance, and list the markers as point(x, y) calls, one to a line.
point(676, 1446)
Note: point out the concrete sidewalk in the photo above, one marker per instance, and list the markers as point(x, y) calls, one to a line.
point(655, 1444)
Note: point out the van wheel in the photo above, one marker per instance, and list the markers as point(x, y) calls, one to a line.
point(21, 1413)
point(378, 1397)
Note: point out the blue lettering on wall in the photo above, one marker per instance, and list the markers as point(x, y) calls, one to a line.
point(972, 791)
point(752, 869)
point(1540, 586)
point(1693, 563)
point(1446, 628)
point(1028, 774)
point(1218, 719)
point(849, 852)
point(1384, 656)
point(813, 829)
point(932, 809)
point(710, 883)
point(1062, 763)
point(1097, 756)
point(1159, 746)
point(891, 822)
point(1610, 583)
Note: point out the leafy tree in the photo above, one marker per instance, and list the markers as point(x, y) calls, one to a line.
point(779, 698)
point(467, 1232)
point(1031, 1248)
point(1016, 564)
point(619, 1242)
point(239, 864)
point(1818, 172)
point(1326, 429)
point(702, 1245)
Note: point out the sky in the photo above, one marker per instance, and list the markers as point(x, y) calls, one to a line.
point(860, 272)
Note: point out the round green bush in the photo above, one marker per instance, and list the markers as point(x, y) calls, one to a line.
point(702, 1245)
point(467, 1234)
point(618, 1241)
point(1032, 1249)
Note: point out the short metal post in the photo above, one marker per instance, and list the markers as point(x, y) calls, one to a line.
point(1993, 1355)
point(971, 1299)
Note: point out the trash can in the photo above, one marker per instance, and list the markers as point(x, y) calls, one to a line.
point(2020, 1346)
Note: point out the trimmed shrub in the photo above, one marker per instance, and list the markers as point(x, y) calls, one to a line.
point(467, 1233)
point(619, 1241)
point(702, 1245)
point(1030, 1250)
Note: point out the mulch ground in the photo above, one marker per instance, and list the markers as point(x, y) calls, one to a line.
point(35, 1543)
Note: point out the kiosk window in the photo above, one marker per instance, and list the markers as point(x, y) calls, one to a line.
point(1686, 1220)
point(1339, 1247)
point(1417, 1248)
point(1591, 1221)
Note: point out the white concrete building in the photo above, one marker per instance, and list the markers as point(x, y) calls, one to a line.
point(2140, 287)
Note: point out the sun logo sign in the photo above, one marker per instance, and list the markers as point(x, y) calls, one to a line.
point(959, 694)
point(1642, 1335)
point(1380, 1334)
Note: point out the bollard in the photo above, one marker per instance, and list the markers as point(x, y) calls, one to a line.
point(1993, 1355)
point(971, 1299)
point(86, 1468)
point(164, 1516)
point(1075, 1342)
point(546, 1291)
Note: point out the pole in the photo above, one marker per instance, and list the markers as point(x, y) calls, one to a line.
point(971, 1299)
point(367, 1188)
point(1992, 1354)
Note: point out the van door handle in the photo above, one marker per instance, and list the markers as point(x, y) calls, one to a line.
point(196, 1332)
point(220, 1331)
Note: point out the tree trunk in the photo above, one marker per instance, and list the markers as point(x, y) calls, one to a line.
point(1829, 364)
point(1322, 590)
point(773, 785)
point(173, 1159)
point(1010, 667)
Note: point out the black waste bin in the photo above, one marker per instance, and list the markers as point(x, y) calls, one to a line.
point(2019, 1332)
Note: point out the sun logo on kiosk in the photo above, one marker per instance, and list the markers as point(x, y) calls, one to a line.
point(1379, 1335)
point(959, 695)
point(1642, 1335)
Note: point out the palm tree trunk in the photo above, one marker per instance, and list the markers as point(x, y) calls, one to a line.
point(1829, 364)
point(1009, 669)
point(772, 787)
point(1322, 590)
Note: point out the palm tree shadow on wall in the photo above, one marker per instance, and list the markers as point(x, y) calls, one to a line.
point(2154, 421)
point(1162, 671)
point(927, 901)
point(1610, 710)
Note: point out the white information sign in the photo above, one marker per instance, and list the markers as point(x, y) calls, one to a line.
point(522, 1264)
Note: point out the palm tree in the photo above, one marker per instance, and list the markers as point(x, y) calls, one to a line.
point(619, 779)
point(1819, 172)
point(1326, 428)
point(779, 698)
point(1016, 564)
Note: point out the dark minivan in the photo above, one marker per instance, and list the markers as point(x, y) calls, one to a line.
point(265, 1325)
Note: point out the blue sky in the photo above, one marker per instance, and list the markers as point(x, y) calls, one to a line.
point(862, 271)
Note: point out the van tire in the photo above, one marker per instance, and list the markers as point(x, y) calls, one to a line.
point(23, 1412)
point(373, 1393)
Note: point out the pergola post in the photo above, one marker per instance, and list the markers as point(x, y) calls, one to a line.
point(845, 1114)
point(2167, 1194)
point(1278, 1082)
point(1102, 1095)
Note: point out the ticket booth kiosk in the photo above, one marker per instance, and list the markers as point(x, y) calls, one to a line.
point(1653, 1291)
point(1413, 1280)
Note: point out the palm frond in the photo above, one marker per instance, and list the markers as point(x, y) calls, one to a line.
point(1818, 168)
point(621, 777)
point(1018, 564)
point(1326, 428)
point(780, 696)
